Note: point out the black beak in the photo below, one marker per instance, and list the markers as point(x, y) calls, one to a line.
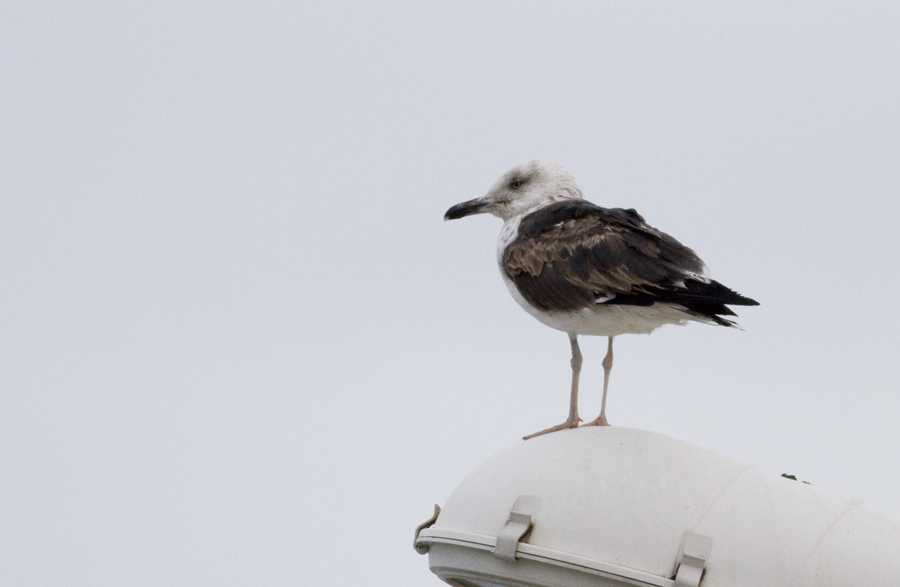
point(476, 206)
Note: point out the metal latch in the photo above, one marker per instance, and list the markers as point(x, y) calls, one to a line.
point(692, 558)
point(518, 525)
point(423, 548)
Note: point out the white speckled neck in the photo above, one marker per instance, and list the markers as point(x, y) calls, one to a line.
point(508, 234)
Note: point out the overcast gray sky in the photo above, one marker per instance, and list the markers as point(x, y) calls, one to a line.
point(238, 345)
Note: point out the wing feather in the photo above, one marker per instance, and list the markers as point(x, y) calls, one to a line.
point(572, 253)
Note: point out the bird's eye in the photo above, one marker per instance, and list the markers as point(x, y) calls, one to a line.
point(515, 184)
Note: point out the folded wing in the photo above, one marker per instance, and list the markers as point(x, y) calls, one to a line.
point(574, 254)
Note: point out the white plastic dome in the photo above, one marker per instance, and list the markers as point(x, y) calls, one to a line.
point(613, 506)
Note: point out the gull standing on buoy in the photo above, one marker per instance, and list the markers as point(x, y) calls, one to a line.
point(583, 269)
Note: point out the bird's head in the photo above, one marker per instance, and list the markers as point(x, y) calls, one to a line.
point(520, 190)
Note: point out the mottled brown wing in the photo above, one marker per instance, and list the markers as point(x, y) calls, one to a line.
point(572, 254)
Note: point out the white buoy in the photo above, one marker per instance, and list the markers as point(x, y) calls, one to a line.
point(618, 506)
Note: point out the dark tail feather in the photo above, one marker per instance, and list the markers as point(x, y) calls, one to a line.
point(708, 300)
point(709, 293)
point(701, 299)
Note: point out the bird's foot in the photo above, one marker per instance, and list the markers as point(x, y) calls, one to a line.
point(565, 425)
point(601, 421)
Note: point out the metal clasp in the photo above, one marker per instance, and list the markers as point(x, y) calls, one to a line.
point(517, 527)
point(423, 548)
point(693, 555)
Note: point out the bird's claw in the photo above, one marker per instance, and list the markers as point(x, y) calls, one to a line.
point(564, 426)
point(598, 422)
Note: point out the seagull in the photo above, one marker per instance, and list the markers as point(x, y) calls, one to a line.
point(587, 270)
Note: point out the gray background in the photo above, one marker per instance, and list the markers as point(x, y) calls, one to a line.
point(238, 346)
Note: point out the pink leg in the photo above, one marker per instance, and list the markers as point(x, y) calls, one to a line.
point(607, 367)
point(573, 419)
